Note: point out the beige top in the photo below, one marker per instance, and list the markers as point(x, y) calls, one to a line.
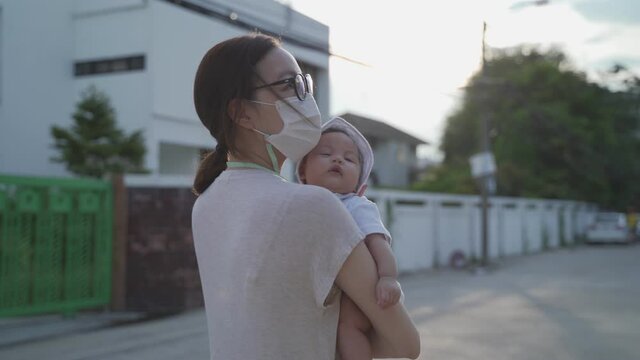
point(268, 253)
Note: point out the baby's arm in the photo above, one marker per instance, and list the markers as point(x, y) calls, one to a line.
point(387, 290)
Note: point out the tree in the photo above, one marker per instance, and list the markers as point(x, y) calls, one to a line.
point(554, 134)
point(93, 146)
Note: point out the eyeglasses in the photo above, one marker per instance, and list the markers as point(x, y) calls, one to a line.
point(302, 84)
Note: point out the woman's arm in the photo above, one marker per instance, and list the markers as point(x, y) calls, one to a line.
point(394, 335)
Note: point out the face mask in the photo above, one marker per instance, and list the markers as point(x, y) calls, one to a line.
point(301, 127)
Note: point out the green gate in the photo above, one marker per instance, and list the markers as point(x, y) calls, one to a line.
point(55, 244)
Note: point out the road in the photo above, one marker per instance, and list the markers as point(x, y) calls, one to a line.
point(580, 303)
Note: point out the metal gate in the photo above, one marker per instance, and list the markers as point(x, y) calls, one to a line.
point(55, 244)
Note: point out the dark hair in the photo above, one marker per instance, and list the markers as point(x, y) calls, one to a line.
point(226, 72)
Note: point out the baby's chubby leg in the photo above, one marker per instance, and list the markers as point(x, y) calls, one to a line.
point(353, 326)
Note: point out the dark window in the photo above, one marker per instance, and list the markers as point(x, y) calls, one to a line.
point(137, 63)
point(105, 66)
point(119, 65)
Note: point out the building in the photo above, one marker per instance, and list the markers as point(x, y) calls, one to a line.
point(394, 150)
point(143, 54)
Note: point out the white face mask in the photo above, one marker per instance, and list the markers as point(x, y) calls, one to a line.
point(302, 126)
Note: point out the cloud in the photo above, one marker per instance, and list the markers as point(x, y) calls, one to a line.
point(610, 11)
point(602, 37)
point(628, 61)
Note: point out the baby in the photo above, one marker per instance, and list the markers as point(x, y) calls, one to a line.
point(342, 162)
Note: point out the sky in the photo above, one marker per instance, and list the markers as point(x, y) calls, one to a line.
point(419, 54)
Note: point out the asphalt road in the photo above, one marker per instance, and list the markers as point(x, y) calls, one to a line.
point(581, 303)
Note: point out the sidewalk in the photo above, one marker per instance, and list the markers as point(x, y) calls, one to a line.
point(19, 330)
point(182, 336)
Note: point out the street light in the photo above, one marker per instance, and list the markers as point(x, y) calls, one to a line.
point(484, 161)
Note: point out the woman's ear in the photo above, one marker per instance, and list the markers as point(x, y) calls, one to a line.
point(238, 113)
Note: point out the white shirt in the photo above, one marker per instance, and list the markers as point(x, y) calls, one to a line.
point(268, 253)
point(365, 213)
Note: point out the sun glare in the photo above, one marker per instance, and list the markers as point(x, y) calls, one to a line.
point(420, 55)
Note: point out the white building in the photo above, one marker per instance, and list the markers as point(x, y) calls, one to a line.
point(143, 54)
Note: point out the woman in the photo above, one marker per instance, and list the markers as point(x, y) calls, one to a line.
point(273, 254)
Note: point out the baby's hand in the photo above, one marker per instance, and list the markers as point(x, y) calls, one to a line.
point(387, 291)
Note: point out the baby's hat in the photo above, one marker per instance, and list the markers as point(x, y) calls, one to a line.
point(361, 142)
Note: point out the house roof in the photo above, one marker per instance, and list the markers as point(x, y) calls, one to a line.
point(379, 129)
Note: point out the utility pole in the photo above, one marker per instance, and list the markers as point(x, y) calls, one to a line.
point(483, 166)
point(485, 178)
point(484, 163)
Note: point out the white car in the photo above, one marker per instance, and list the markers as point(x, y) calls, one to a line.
point(609, 227)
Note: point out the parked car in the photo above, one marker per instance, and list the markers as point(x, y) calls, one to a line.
point(609, 227)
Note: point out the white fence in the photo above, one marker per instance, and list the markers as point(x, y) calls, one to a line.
point(427, 227)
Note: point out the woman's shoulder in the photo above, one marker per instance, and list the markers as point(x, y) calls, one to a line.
point(310, 195)
point(320, 214)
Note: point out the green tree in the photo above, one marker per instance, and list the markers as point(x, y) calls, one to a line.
point(554, 133)
point(94, 146)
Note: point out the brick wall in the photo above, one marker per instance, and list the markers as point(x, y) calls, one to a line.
point(161, 267)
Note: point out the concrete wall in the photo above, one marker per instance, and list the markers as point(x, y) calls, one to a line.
point(428, 228)
point(36, 90)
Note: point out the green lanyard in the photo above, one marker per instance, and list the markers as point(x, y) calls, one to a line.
point(238, 164)
point(272, 156)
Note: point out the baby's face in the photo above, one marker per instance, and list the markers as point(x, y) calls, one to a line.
point(333, 164)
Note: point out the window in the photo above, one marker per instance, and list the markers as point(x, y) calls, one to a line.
point(106, 66)
point(402, 153)
point(178, 159)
